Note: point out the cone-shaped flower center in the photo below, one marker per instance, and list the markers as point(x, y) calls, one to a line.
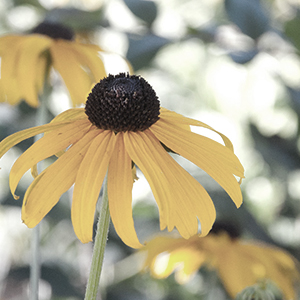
point(122, 103)
point(224, 226)
point(55, 31)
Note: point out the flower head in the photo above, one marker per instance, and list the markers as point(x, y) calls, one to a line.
point(238, 263)
point(26, 61)
point(123, 124)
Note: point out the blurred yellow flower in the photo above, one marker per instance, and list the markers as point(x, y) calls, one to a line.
point(123, 123)
point(26, 62)
point(238, 263)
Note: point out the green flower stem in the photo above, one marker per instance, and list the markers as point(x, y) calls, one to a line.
point(99, 247)
point(41, 119)
point(35, 263)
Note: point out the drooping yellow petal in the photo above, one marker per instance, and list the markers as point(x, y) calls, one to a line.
point(175, 118)
point(70, 114)
point(32, 47)
point(88, 55)
point(187, 200)
point(47, 146)
point(10, 49)
point(75, 77)
point(192, 259)
point(120, 184)
point(6, 43)
point(142, 157)
point(155, 247)
point(215, 159)
point(220, 153)
point(165, 255)
point(20, 136)
point(45, 191)
point(34, 171)
point(88, 183)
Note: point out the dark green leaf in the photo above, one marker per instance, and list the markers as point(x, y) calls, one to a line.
point(292, 30)
point(61, 282)
point(249, 16)
point(142, 49)
point(143, 9)
point(280, 154)
point(243, 57)
point(76, 19)
point(295, 99)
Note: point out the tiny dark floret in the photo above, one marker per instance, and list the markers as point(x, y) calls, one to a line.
point(123, 102)
point(54, 30)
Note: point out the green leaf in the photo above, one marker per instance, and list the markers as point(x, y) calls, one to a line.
point(60, 281)
point(143, 9)
point(243, 57)
point(292, 30)
point(280, 154)
point(142, 49)
point(249, 16)
point(75, 18)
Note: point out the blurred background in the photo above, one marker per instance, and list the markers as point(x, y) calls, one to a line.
point(233, 64)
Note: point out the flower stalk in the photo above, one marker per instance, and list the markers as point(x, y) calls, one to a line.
point(99, 247)
point(35, 263)
point(41, 119)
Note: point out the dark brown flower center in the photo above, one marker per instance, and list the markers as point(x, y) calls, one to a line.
point(55, 31)
point(122, 102)
point(230, 228)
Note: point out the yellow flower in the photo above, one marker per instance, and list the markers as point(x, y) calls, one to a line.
point(238, 263)
point(122, 123)
point(25, 59)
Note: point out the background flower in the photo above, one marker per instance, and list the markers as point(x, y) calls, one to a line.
point(26, 61)
point(239, 263)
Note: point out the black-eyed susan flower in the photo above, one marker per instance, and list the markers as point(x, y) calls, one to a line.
point(121, 124)
point(238, 263)
point(27, 59)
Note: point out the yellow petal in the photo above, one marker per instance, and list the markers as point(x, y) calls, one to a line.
point(142, 157)
point(46, 189)
point(88, 55)
point(193, 259)
point(20, 136)
point(177, 119)
point(6, 42)
point(32, 47)
point(120, 194)
point(88, 183)
point(215, 159)
point(47, 146)
point(11, 46)
point(186, 199)
point(154, 248)
point(34, 171)
point(75, 77)
point(231, 266)
point(70, 114)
